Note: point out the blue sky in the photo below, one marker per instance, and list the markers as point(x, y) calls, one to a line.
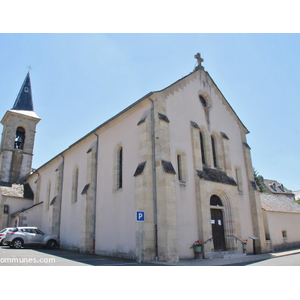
point(81, 80)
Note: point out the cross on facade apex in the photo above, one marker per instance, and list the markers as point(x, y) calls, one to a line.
point(29, 68)
point(199, 59)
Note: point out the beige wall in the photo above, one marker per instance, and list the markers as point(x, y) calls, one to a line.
point(183, 207)
point(276, 223)
point(115, 223)
point(183, 106)
point(15, 205)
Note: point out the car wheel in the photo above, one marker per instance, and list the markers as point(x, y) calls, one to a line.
point(17, 243)
point(1, 242)
point(51, 244)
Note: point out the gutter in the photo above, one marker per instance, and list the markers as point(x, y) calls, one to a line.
point(154, 179)
point(61, 192)
point(95, 192)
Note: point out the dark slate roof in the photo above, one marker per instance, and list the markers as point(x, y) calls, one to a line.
point(163, 117)
point(215, 175)
point(140, 168)
point(24, 99)
point(168, 167)
point(275, 187)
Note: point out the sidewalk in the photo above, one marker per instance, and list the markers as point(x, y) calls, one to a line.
point(228, 261)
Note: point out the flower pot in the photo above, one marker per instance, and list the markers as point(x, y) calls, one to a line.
point(197, 249)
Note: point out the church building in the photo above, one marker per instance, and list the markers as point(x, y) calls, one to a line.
point(180, 155)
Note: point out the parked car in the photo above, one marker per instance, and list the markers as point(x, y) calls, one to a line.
point(30, 236)
point(3, 233)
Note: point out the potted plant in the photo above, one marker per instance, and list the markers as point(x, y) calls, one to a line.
point(196, 246)
point(244, 243)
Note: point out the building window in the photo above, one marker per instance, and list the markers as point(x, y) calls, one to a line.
point(284, 234)
point(75, 185)
point(214, 153)
point(202, 148)
point(20, 138)
point(281, 188)
point(203, 101)
point(179, 167)
point(120, 169)
point(238, 175)
point(48, 195)
point(215, 201)
point(273, 186)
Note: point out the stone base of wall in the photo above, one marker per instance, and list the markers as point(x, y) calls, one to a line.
point(286, 246)
point(129, 255)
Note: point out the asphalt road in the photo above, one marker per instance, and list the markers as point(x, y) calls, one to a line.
point(287, 260)
point(56, 257)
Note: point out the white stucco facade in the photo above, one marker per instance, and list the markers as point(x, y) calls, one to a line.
point(152, 157)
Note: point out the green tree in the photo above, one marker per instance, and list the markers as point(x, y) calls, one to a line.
point(258, 180)
point(298, 201)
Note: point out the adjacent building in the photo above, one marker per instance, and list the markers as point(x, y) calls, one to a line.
point(281, 215)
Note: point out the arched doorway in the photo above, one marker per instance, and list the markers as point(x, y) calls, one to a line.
point(217, 223)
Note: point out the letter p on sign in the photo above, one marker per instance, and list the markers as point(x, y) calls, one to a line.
point(140, 216)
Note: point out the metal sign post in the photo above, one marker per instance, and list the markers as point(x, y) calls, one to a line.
point(140, 217)
point(254, 238)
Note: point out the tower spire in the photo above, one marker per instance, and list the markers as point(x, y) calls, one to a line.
point(18, 136)
point(24, 98)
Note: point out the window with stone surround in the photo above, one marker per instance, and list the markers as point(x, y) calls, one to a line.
point(214, 151)
point(75, 185)
point(20, 138)
point(202, 143)
point(238, 175)
point(181, 167)
point(48, 193)
point(118, 168)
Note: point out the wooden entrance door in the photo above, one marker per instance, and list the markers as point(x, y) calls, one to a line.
point(218, 229)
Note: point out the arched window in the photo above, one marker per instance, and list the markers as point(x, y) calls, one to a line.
point(202, 147)
point(215, 201)
point(203, 101)
point(48, 195)
point(120, 169)
point(214, 152)
point(20, 138)
point(75, 185)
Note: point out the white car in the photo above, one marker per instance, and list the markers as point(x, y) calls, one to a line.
point(30, 236)
point(3, 233)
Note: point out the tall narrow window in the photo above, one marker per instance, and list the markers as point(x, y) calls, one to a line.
point(120, 168)
point(238, 175)
point(75, 185)
point(20, 138)
point(179, 167)
point(214, 153)
point(48, 195)
point(202, 147)
point(182, 172)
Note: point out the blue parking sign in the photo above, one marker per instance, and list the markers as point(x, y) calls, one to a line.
point(140, 216)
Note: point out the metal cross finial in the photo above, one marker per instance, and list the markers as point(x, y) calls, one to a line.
point(29, 68)
point(199, 59)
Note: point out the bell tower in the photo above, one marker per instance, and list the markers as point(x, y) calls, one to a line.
point(18, 136)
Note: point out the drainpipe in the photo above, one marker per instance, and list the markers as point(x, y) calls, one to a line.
point(95, 192)
point(34, 198)
point(61, 190)
point(38, 177)
point(154, 179)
